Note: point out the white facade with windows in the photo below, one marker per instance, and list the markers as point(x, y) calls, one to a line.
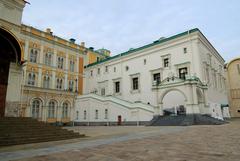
point(180, 72)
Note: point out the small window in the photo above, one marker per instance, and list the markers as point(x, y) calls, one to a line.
point(184, 50)
point(135, 83)
point(98, 71)
point(127, 68)
point(166, 62)
point(157, 78)
point(144, 61)
point(117, 87)
point(103, 91)
point(96, 114)
point(114, 69)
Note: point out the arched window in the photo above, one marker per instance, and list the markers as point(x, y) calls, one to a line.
point(51, 109)
point(31, 79)
point(46, 82)
point(96, 114)
point(71, 65)
point(71, 84)
point(48, 59)
point(106, 114)
point(59, 83)
point(33, 55)
point(77, 115)
point(35, 108)
point(60, 63)
point(65, 110)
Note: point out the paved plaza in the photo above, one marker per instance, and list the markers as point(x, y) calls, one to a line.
point(220, 142)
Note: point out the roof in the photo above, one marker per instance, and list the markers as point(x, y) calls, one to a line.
point(231, 61)
point(160, 41)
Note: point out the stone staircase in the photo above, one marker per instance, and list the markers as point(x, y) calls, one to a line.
point(16, 130)
point(185, 120)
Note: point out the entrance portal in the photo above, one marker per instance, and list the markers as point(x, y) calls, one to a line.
point(174, 103)
point(10, 51)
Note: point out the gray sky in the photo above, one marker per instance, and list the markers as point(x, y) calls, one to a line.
point(118, 25)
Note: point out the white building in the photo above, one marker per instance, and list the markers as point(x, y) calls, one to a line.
point(183, 74)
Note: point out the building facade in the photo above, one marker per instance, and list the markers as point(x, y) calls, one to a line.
point(49, 73)
point(233, 74)
point(180, 74)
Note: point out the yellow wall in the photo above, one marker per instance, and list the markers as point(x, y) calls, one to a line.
point(234, 87)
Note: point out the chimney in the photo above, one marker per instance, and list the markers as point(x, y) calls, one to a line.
point(72, 40)
point(82, 44)
point(48, 30)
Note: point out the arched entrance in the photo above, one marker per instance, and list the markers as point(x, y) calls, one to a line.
point(10, 51)
point(174, 102)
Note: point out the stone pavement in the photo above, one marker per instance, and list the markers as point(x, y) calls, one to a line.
point(207, 143)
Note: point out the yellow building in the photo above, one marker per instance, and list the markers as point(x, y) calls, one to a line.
point(233, 73)
point(47, 71)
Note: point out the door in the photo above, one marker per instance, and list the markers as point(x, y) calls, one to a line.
point(119, 120)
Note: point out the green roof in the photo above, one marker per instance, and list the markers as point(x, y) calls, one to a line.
point(147, 46)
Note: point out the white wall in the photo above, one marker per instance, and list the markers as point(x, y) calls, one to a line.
point(195, 60)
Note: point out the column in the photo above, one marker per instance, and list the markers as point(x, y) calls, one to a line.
point(26, 50)
point(66, 64)
point(65, 81)
point(39, 77)
point(53, 85)
point(54, 58)
point(41, 55)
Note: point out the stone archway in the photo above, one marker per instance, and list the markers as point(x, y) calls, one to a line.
point(10, 51)
point(173, 102)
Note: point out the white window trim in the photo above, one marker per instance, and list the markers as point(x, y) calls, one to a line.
point(136, 75)
point(169, 60)
point(120, 88)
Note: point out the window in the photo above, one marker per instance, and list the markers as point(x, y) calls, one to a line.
point(77, 115)
point(46, 82)
point(51, 109)
point(106, 114)
point(91, 73)
point(127, 68)
point(144, 61)
point(117, 87)
point(48, 59)
point(98, 59)
point(31, 79)
point(96, 114)
point(35, 108)
point(114, 69)
point(182, 73)
point(103, 91)
point(33, 55)
point(98, 71)
point(106, 68)
point(65, 110)
point(60, 62)
point(71, 65)
point(59, 83)
point(70, 85)
point(166, 62)
point(157, 78)
point(135, 83)
point(184, 50)
point(85, 115)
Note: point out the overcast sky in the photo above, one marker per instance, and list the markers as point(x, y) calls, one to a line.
point(118, 25)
